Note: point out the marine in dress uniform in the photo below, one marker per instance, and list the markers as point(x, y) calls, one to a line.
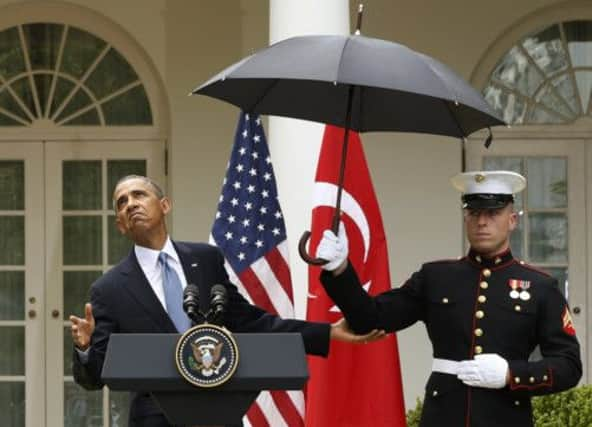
point(484, 314)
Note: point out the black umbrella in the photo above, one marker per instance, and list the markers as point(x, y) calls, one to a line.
point(355, 82)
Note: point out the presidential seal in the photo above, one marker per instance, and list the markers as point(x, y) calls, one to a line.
point(207, 355)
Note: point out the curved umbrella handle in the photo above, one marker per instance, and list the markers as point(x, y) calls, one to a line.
point(304, 255)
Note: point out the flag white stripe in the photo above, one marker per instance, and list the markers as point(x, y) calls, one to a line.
point(273, 288)
point(270, 410)
point(283, 249)
point(297, 398)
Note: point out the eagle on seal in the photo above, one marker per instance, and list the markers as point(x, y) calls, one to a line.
point(205, 357)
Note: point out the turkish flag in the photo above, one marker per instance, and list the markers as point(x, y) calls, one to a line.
point(358, 384)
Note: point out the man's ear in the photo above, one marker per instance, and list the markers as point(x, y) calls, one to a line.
point(120, 226)
point(513, 220)
point(166, 205)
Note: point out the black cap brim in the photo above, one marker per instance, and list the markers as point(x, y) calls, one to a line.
point(486, 201)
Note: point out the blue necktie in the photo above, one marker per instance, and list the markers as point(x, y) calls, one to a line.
point(173, 295)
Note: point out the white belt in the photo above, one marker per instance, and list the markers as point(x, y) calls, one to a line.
point(445, 366)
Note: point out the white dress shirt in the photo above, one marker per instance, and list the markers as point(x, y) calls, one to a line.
point(148, 260)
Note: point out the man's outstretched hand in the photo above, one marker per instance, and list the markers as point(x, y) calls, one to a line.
point(83, 328)
point(340, 332)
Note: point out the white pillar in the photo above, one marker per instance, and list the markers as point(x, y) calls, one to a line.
point(295, 144)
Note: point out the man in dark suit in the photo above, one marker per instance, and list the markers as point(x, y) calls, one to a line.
point(132, 296)
point(484, 314)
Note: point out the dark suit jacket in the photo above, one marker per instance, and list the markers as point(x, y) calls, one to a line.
point(123, 302)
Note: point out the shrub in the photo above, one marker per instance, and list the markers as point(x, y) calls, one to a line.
point(572, 408)
point(413, 415)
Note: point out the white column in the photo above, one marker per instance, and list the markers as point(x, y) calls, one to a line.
point(295, 144)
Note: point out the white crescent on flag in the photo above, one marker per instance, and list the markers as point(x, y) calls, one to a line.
point(325, 194)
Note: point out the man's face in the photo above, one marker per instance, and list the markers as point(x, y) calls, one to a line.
point(139, 211)
point(488, 230)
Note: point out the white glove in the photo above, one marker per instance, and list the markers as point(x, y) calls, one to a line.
point(486, 370)
point(333, 248)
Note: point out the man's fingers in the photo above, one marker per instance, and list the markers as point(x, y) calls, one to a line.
point(88, 312)
point(75, 320)
point(374, 335)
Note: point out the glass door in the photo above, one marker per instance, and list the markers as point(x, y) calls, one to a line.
point(21, 285)
point(82, 242)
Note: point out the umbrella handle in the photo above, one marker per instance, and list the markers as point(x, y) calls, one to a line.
point(304, 255)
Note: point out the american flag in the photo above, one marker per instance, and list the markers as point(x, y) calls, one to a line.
point(249, 229)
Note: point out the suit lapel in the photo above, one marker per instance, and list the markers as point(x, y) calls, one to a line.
point(139, 287)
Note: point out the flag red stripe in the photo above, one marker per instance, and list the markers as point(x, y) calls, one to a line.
point(256, 416)
point(280, 268)
point(256, 290)
point(287, 408)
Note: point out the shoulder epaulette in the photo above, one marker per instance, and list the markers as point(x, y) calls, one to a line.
point(533, 268)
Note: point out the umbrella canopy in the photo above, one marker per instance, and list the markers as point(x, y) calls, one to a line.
point(387, 86)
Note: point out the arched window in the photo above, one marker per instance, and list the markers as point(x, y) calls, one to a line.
point(545, 78)
point(60, 74)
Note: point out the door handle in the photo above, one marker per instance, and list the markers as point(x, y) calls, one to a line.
point(55, 313)
point(32, 314)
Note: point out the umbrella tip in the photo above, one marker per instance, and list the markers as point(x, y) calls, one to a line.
point(190, 93)
point(359, 23)
point(489, 139)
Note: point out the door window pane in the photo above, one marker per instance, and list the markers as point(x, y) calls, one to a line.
point(548, 238)
point(82, 240)
point(112, 73)
point(12, 244)
point(129, 108)
point(80, 51)
point(23, 90)
point(119, 245)
point(12, 61)
point(82, 408)
point(76, 291)
point(12, 404)
point(119, 409)
point(12, 185)
point(547, 182)
point(12, 362)
point(81, 185)
point(517, 239)
point(514, 164)
point(561, 275)
point(117, 169)
point(89, 118)
point(43, 44)
point(79, 101)
point(12, 295)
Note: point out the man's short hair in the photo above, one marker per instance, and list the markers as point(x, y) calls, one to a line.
point(157, 189)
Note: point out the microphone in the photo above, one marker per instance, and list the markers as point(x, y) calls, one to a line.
point(218, 301)
point(191, 303)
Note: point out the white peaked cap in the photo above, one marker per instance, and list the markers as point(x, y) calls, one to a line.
point(489, 182)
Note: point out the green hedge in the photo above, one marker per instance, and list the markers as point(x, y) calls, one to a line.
point(572, 408)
